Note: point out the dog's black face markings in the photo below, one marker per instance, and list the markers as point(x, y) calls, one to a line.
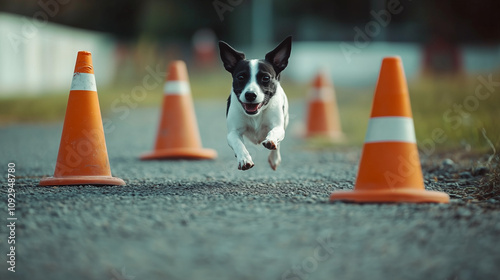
point(265, 77)
point(259, 71)
point(228, 104)
point(267, 80)
point(241, 75)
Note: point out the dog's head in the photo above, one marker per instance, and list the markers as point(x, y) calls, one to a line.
point(255, 81)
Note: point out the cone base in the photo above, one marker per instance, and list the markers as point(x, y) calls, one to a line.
point(181, 153)
point(396, 196)
point(81, 180)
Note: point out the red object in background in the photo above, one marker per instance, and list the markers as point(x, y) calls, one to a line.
point(204, 44)
point(442, 57)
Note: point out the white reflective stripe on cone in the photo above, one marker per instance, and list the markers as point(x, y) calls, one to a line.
point(177, 87)
point(323, 93)
point(83, 81)
point(390, 129)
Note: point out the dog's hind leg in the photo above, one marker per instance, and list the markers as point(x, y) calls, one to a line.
point(274, 158)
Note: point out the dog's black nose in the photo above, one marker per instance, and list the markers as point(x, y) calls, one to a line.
point(250, 96)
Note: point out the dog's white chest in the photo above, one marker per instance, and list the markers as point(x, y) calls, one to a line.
point(256, 129)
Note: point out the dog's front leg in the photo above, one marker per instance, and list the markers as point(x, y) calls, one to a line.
point(235, 141)
point(274, 137)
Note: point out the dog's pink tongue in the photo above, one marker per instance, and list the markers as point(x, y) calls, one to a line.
point(251, 107)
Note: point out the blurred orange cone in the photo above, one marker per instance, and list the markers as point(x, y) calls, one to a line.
point(390, 170)
point(178, 136)
point(82, 157)
point(322, 115)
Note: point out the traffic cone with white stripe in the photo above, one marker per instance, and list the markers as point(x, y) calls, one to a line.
point(323, 119)
point(83, 157)
point(178, 136)
point(390, 170)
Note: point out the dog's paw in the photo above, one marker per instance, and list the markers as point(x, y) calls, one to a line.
point(274, 159)
point(245, 164)
point(270, 144)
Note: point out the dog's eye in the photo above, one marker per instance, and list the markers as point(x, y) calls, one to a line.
point(266, 78)
point(240, 77)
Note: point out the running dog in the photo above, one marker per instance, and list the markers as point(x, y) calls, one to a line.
point(257, 107)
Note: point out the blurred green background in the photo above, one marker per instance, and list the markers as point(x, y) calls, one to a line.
point(450, 50)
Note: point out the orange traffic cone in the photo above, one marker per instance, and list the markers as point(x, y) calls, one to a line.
point(178, 136)
point(390, 170)
point(322, 116)
point(82, 157)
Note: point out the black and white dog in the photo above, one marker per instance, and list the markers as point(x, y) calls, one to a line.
point(257, 107)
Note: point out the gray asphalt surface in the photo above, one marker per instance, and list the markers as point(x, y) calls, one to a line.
point(207, 220)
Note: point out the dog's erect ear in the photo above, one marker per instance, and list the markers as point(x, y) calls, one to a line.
point(279, 56)
point(230, 57)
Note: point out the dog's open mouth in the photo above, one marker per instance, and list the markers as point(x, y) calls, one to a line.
point(251, 108)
